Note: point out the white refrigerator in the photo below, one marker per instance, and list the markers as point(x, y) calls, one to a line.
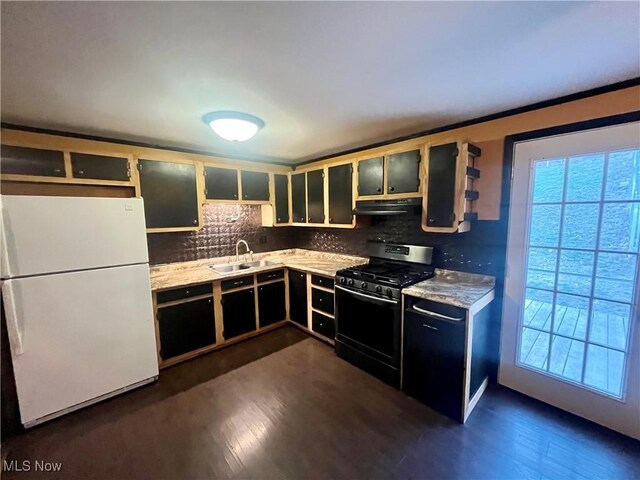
point(77, 301)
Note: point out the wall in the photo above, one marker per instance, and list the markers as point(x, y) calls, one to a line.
point(477, 251)
point(224, 225)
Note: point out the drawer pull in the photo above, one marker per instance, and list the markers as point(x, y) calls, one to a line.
point(429, 326)
point(437, 315)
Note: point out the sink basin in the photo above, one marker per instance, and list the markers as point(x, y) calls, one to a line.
point(234, 267)
point(258, 263)
point(228, 268)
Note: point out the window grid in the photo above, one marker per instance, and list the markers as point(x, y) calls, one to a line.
point(558, 248)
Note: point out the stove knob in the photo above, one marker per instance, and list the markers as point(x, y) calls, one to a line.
point(378, 289)
point(389, 292)
point(343, 280)
point(363, 284)
point(350, 282)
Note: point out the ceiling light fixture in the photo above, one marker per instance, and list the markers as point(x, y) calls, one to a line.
point(233, 126)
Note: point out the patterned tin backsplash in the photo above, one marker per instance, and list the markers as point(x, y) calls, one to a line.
point(479, 251)
point(224, 225)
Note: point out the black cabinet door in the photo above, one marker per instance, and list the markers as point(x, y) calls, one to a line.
point(238, 313)
point(371, 176)
point(186, 327)
point(255, 185)
point(315, 186)
point(298, 297)
point(433, 363)
point(299, 197)
point(170, 194)
point(221, 183)
point(100, 167)
point(341, 194)
point(441, 186)
point(31, 161)
point(282, 198)
point(271, 303)
point(323, 325)
point(403, 172)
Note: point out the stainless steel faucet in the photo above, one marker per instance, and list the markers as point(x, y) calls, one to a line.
point(238, 249)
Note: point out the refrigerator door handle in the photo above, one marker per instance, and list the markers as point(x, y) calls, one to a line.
point(13, 329)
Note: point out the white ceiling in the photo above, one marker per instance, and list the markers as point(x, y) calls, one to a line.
point(323, 76)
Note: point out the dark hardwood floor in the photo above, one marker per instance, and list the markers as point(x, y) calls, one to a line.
point(284, 406)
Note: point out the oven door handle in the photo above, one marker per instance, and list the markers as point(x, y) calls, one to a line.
point(368, 297)
point(437, 315)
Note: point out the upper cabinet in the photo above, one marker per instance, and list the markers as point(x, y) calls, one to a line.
point(449, 202)
point(100, 167)
point(32, 162)
point(255, 186)
point(281, 190)
point(341, 194)
point(389, 176)
point(170, 192)
point(315, 196)
point(403, 172)
point(299, 197)
point(220, 183)
point(371, 176)
point(230, 185)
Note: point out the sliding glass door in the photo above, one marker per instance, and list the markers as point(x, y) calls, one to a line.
point(570, 334)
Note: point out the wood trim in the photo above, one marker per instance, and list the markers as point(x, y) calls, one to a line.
point(309, 307)
point(320, 287)
point(175, 229)
point(66, 180)
point(322, 312)
point(476, 398)
point(468, 355)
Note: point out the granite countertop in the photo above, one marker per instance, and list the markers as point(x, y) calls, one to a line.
point(182, 274)
point(453, 288)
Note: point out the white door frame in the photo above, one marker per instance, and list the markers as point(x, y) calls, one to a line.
point(620, 415)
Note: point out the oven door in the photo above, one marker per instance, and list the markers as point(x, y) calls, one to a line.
point(369, 324)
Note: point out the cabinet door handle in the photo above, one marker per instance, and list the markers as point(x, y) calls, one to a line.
point(437, 315)
point(378, 190)
point(429, 326)
point(391, 189)
point(237, 283)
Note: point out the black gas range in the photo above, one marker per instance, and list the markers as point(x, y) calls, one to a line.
point(368, 306)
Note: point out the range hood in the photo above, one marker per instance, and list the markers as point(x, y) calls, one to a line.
point(387, 207)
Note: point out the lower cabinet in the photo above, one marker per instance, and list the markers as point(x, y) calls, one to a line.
point(322, 300)
point(298, 297)
point(238, 313)
point(271, 303)
point(323, 325)
point(186, 327)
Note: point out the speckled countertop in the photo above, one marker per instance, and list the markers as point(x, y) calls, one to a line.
point(453, 288)
point(182, 274)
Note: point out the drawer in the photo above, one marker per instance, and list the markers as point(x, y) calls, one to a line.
point(322, 300)
point(322, 281)
point(236, 282)
point(323, 325)
point(268, 276)
point(185, 292)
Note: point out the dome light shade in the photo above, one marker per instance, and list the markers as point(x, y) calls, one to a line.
point(233, 126)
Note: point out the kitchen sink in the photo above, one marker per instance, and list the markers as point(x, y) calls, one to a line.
point(258, 263)
point(234, 267)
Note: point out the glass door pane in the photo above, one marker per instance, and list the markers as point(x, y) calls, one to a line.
point(581, 268)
